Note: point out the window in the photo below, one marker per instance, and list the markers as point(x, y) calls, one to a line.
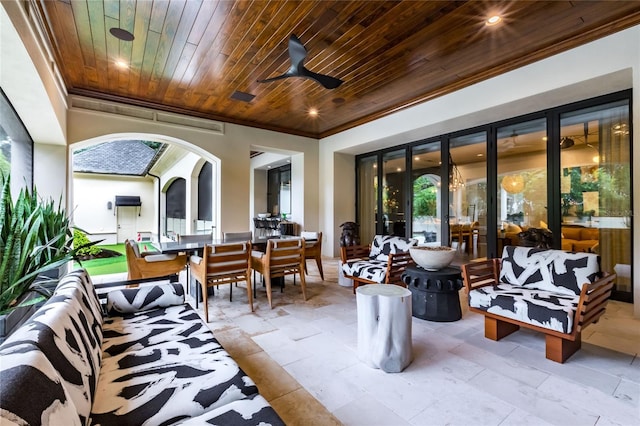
point(16, 147)
point(204, 222)
point(175, 221)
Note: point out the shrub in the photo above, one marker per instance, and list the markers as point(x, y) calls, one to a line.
point(80, 239)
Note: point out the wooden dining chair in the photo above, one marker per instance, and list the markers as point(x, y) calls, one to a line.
point(148, 265)
point(237, 236)
point(191, 239)
point(226, 263)
point(313, 249)
point(455, 231)
point(469, 236)
point(282, 257)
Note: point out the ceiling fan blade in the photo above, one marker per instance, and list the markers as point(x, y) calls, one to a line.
point(297, 56)
point(297, 52)
point(279, 77)
point(325, 80)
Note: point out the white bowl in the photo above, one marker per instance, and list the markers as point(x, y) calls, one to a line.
point(432, 258)
point(264, 215)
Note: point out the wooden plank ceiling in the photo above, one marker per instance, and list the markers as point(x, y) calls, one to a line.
point(191, 56)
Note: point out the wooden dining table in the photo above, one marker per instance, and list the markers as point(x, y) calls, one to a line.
point(197, 248)
point(172, 247)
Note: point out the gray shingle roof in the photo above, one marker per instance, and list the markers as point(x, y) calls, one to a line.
point(125, 157)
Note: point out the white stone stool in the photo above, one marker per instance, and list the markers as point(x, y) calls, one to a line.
point(384, 326)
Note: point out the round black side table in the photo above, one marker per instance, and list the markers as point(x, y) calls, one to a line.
point(434, 294)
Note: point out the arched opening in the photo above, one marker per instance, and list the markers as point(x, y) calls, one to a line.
point(177, 185)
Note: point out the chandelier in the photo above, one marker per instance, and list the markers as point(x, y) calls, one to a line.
point(455, 177)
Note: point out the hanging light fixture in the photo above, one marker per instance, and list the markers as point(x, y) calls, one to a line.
point(455, 177)
point(513, 184)
point(566, 142)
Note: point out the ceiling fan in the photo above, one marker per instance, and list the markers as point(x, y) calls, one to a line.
point(297, 55)
point(513, 142)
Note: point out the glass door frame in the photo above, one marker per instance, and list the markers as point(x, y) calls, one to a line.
point(623, 95)
point(554, 203)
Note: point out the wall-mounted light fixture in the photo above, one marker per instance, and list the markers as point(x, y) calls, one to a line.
point(109, 205)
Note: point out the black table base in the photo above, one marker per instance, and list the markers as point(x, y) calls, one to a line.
point(434, 294)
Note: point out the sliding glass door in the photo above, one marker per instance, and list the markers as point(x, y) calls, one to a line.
point(596, 187)
point(426, 184)
point(522, 183)
point(468, 194)
point(559, 178)
point(394, 195)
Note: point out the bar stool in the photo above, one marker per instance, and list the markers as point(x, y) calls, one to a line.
point(260, 226)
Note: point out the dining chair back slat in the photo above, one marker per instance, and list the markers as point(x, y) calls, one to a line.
point(225, 263)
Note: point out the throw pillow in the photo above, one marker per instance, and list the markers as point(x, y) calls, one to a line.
point(130, 300)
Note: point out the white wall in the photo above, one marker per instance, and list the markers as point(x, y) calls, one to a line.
point(93, 192)
point(259, 190)
point(27, 77)
point(49, 176)
point(338, 180)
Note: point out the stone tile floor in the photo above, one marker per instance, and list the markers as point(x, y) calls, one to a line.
point(303, 357)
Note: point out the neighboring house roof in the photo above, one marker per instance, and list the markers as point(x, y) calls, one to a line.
point(124, 157)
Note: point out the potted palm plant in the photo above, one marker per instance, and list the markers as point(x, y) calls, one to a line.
point(34, 238)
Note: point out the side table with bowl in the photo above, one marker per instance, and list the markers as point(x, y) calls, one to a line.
point(434, 285)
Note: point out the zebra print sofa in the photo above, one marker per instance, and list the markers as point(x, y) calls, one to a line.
point(552, 291)
point(150, 361)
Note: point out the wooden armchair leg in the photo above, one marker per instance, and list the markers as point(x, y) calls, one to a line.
point(559, 349)
point(495, 329)
point(319, 263)
point(205, 302)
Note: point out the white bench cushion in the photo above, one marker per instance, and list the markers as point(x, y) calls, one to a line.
point(545, 309)
point(373, 270)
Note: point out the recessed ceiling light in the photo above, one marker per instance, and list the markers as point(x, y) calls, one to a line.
point(398, 169)
point(313, 112)
point(493, 20)
point(544, 138)
point(479, 155)
point(122, 64)
point(417, 158)
point(121, 34)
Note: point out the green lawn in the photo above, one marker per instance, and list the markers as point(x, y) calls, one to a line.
point(111, 265)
